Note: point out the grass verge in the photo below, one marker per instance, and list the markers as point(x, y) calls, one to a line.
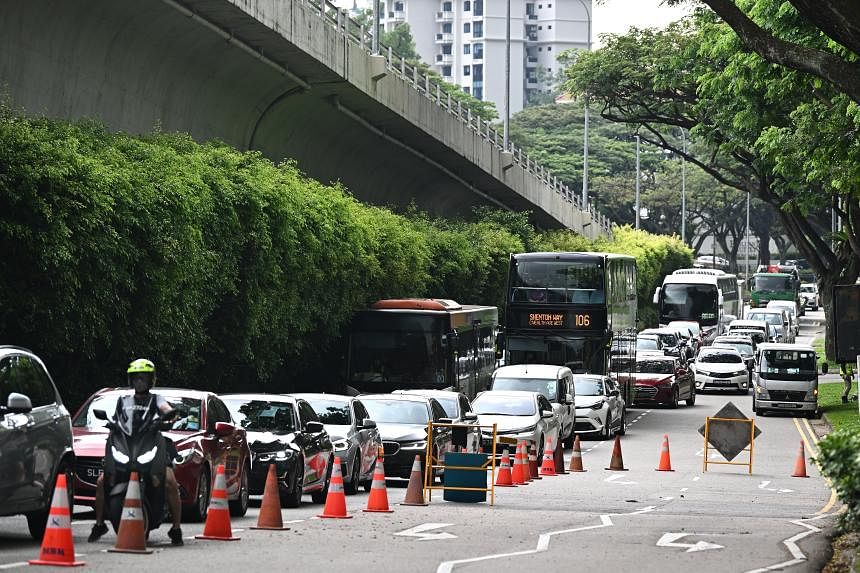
point(838, 414)
point(818, 345)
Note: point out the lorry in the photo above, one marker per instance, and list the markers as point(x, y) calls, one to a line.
point(785, 379)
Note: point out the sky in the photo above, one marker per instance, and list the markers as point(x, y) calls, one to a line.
point(616, 16)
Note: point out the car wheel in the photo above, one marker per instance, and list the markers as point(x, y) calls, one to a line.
point(351, 487)
point(37, 521)
point(293, 497)
point(540, 450)
point(368, 483)
point(606, 433)
point(239, 507)
point(691, 401)
point(197, 512)
point(320, 495)
point(622, 428)
point(675, 399)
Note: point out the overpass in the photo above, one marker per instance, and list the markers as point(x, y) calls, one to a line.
point(293, 79)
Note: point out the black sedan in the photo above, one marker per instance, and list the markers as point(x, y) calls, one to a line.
point(285, 431)
point(402, 423)
point(353, 433)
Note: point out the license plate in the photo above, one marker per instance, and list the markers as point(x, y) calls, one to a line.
point(93, 472)
point(507, 440)
point(781, 405)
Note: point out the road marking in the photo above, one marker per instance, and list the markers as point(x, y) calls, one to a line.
point(419, 532)
point(612, 479)
point(763, 485)
point(669, 540)
point(684, 488)
point(711, 454)
point(13, 565)
point(697, 478)
point(791, 544)
point(543, 541)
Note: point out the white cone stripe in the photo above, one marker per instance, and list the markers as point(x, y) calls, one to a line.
point(336, 488)
point(218, 503)
point(59, 522)
point(132, 514)
point(220, 481)
point(60, 499)
point(416, 466)
point(378, 483)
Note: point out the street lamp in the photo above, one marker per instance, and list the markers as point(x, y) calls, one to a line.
point(637, 181)
point(684, 188)
point(585, 131)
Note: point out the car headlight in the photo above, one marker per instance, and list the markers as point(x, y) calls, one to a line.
point(340, 445)
point(147, 457)
point(419, 445)
point(812, 395)
point(279, 455)
point(739, 373)
point(525, 430)
point(118, 455)
point(762, 393)
point(597, 405)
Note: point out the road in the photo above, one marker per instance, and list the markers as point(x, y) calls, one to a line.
point(639, 520)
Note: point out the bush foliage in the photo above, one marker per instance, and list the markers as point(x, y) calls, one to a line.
point(839, 459)
point(228, 270)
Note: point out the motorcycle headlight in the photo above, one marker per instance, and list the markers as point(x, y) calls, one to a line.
point(147, 457)
point(183, 456)
point(597, 405)
point(118, 455)
point(419, 445)
point(340, 445)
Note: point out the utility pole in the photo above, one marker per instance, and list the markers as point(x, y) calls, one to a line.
point(684, 187)
point(375, 46)
point(585, 129)
point(507, 75)
point(748, 240)
point(637, 181)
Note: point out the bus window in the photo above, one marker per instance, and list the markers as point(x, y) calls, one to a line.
point(696, 302)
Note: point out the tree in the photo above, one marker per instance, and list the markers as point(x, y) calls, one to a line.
point(401, 41)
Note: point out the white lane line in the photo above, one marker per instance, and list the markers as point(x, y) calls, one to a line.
point(763, 485)
point(790, 543)
point(612, 479)
point(13, 565)
point(684, 488)
point(697, 478)
point(543, 541)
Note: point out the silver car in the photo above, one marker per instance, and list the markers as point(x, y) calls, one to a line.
point(353, 434)
point(35, 438)
point(600, 409)
point(457, 407)
point(518, 415)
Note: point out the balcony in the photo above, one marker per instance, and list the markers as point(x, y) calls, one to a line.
point(397, 16)
point(444, 59)
point(444, 16)
point(532, 37)
point(444, 38)
point(533, 16)
point(531, 61)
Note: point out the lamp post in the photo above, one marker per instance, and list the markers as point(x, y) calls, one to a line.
point(376, 18)
point(747, 235)
point(507, 75)
point(637, 181)
point(585, 125)
point(684, 188)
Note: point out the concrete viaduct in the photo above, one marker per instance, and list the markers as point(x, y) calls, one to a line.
point(290, 78)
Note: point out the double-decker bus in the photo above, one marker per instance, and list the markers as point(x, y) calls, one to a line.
point(572, 309)
point(710, 297)
point(402, 344)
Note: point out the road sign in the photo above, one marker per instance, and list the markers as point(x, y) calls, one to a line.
point(846, 319)
point(727, 437)
point(420, 531)
point(670, 539)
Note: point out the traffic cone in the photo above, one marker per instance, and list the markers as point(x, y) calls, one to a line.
point(524, 460)
point(377, 501)
point(131, 537)
point(415, 489)
point(335, 501)
point(218, 519)
point(558, 459)
point(616, 464)
point(576, 457)
point(800, 463)
point(517, 473)
point(58, 549)
point(505, 479)
point(533, 467)
point(665, 461)
point(547, 468)
point(270, 509)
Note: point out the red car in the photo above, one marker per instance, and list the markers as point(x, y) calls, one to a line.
point(663, 380)
point(201, 441)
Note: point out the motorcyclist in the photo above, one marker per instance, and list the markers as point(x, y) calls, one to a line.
point(141, 377)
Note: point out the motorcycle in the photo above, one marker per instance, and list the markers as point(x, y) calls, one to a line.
point(142, 450)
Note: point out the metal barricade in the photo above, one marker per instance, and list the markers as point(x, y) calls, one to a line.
point(431, 463)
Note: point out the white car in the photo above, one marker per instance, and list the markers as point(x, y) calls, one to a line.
point(518, 415)
point(778, 319)
point(790, 307)
point(599, 406)
point(721, 369)
point(809, 296)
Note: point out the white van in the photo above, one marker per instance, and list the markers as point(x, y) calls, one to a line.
point(786, 379)
point(554, 382)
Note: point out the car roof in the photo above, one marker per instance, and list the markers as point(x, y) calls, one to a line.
point(647, 335)
point(511, 393)
point(765, 311)
point(661, 330)
point(730, 338)
point(260, 397)
point(430, 392)
point(809, 285)
point(399, 397)
point(747, 322)
point(711, 350)
point(532, 371)
point(165, 391)
point(595, 377)
point(653, 355)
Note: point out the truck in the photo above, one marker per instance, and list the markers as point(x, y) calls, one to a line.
point(785, 379)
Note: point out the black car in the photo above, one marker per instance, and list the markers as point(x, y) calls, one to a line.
point(284, 431)
point(402, 423)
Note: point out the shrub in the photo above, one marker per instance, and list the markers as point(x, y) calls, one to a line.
point(839, 459)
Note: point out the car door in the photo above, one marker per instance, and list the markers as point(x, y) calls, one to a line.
point(228, 448)
point(613, 400)
point(442, 437)
point(368, 437)
point(315, 462)
point(551, 425)
point(684, 379)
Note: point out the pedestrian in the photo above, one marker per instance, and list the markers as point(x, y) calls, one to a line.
point(846, 370)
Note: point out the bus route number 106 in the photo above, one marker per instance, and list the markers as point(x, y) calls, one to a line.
point(582, 320)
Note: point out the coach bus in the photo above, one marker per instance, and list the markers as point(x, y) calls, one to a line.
point(401, 344)
point(708, 296)
point(572, 309)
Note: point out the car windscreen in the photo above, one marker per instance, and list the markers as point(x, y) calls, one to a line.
point(557, 281)
point(809, 288)
point(655, 366)
point(187, 417)
point(770, 318)
point(720, 358)
point(503, 405)
point(685, 326)
point(588, 387)
point(646, 344)
point(772, 283)
point(396, 411)
point(262, 415)
point(333, 412)
point(450, 405)
point(788, 365)
point(542, 385)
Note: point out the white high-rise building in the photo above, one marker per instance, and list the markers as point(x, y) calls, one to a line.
point(464, 40)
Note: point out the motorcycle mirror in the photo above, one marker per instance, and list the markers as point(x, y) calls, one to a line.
point(368, 424)
point(100, 414)
point(314, 427)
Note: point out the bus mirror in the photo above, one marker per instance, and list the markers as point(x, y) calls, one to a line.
point(656, 298)
point(720, 299)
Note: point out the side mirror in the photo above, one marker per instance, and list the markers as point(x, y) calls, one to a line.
point(18, 403)
point(547, 414)
point(368, 424)
point(470, 417)
point(99, 414)
point(615, 392)
point(224, 429)
point(656, 299)
point(824, 368)
point(314, 427)
point(568, 399)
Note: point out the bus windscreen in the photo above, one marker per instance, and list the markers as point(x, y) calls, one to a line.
point(396, 350)
point(696, 302)
point(577, 282)
point(766, 283)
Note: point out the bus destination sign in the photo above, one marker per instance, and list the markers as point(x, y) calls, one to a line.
point(557, 319)
point(543, 319)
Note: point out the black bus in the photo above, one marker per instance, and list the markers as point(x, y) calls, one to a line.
point(572, 309)
point(402, 344)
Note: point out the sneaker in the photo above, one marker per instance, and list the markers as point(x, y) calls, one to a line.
point(97, 531)
point(175, 535)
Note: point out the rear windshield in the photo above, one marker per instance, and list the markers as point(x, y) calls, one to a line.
point(262, 415)
point(655, 366)
point(646, 344)
point(788, 365)
point(334, 412)
point(720, 357)
point(542, 385)
point(488, 404)
point(397, 411)
point(770, 318)
point(187, 416)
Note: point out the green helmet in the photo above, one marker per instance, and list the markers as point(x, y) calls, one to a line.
point(142, 367)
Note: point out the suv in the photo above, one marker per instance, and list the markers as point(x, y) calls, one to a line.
point(35, 438)
point(809, 296)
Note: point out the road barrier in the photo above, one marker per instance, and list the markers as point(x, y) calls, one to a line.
point(431, 463)
point(749, 449)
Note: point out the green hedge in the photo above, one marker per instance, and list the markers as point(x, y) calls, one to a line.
point(839, 459)
point(230, 271)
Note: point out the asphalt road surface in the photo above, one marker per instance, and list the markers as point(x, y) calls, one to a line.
point(639, 520)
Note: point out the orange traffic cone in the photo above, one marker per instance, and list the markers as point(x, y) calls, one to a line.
point(377, 501)
point(616, 464)
point(533, 467)
point(547, 468)
point(335, 501)
point(131, 537)
point(517, 473)
point(558, 458)
point(415, 489)
point(218, 519)
point(800, 463)
point(665, 461)
point(524, 460)
point(270, 509)
point(58, 549)
point(505, 478)
point(576, 457)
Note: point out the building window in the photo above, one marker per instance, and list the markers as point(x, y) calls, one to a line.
point(478, 8)
point(549, 27)
point(478, 73)
point(466, 89)
point(446, 6)
point(398, 6)
point(467, 48)
point(446, 28)
point(540, 27)
point(478, 30)
point(467, 27)
point(446, 71)
point(478, 93)
point(467, 70)
point(446, 48)
point(467, 6)
point(477, 51)
point(549, 48)
point(540, 49)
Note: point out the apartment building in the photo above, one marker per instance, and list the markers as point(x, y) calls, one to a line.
point(464, 40)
